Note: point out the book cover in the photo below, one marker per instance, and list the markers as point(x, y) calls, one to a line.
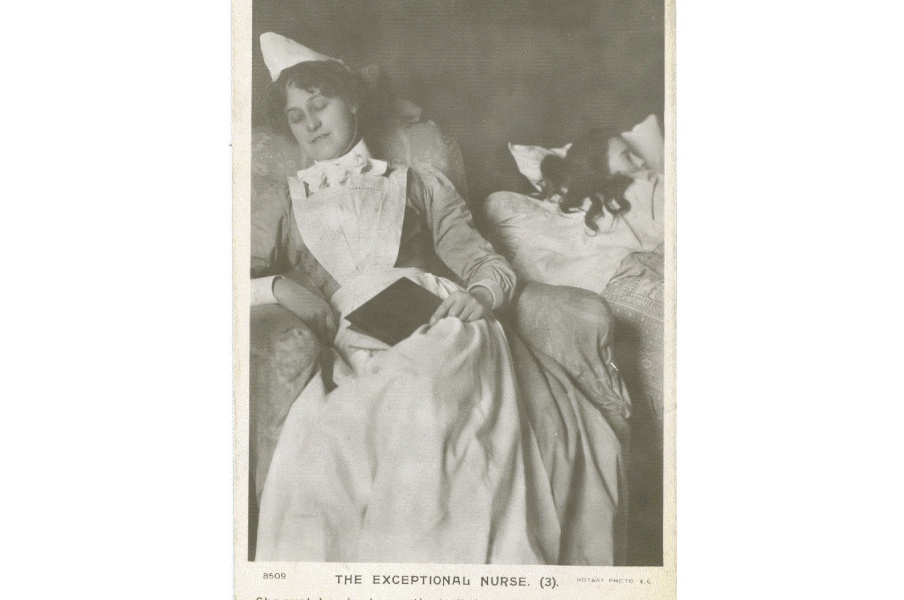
point(396, 312)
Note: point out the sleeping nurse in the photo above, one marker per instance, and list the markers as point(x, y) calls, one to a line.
point(420, 453)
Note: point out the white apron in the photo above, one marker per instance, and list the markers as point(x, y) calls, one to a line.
point(419, 454)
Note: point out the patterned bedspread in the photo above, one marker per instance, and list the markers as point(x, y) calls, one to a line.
point(635, 294)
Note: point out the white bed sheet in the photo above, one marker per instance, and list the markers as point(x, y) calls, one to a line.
point(546, 245)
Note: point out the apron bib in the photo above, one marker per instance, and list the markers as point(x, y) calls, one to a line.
point(355, 231)
point(354, 228)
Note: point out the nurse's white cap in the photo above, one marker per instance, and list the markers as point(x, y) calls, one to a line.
point(280, 53)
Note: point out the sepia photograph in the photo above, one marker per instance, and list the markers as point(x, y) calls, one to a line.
point(456, 281)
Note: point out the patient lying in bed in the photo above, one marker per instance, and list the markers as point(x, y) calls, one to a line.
point(596, 222)
point(599, 200)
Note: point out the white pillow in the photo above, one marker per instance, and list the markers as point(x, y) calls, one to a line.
point(645, 139)
point(528, 159)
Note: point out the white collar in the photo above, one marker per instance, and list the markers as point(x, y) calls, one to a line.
point(357, 161)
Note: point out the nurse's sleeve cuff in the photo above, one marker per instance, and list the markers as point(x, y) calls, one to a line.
point(495, 290)
point(262, 290)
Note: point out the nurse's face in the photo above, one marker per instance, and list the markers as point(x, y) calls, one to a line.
point(622, 159)
point(323, 125)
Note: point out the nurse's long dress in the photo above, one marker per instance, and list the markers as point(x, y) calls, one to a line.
point(423, 452)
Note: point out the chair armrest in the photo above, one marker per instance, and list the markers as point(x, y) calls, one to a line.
point(574, 327)
point(284, 357)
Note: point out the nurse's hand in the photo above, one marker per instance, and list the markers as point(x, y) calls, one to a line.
point(310, 307)
point(467, 306)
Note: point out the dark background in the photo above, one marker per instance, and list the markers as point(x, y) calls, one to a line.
point(491, 72)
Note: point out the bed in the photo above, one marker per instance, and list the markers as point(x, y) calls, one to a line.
point(546, 245)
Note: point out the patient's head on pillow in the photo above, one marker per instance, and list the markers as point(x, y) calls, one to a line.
point(319, 103)
point(596, 167)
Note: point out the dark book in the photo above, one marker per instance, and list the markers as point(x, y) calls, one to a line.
point(394, 314)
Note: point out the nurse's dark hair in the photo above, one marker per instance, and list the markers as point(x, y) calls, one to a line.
point(584, 173)
point(329, 77)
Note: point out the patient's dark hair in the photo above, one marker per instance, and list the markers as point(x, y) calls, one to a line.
point(329, 77)
point(584, 173)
